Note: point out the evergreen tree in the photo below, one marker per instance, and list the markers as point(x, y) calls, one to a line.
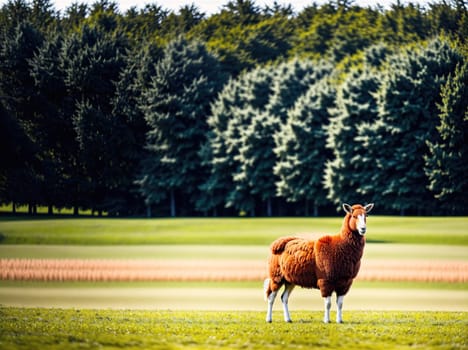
point(187, 17)
point(355, 107)
point(130, 126)
point(355, 30)
point(447, 161)
point(20, 102)
point(226, 123)
point(292, 80)
point(214, 152)
point(254, 178)
point(17, 152)
point(92, 61)
point(177, 104)
point(396, 142)
point(39, 13)
point(145, 24)
point(55, 133)
point(300, 147)
point(74, 16)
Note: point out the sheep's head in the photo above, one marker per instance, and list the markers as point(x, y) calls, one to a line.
point(357, 217)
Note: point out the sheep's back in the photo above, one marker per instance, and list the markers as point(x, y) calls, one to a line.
point(298, 263)
point(279, 245)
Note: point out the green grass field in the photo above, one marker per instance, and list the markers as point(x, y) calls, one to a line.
point(215, 252)
point(225, 315)
point(225, 231)
point(229, 296)
point(116, 329)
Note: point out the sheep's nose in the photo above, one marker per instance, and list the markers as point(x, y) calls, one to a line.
point(362, 231)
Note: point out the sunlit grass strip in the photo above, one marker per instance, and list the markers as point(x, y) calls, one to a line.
point(218, 252)
point(224, 231)
point(23, 328)
point(207, 270)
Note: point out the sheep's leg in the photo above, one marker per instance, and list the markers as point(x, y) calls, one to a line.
point(327, 304)
point(271, 300)
point(288, 288)
point(339, 310)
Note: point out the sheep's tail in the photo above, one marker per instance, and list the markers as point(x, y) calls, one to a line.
point(266, 289)
point(277, 247)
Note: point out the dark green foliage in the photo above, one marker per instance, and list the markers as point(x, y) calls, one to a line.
point(396, 142)
point(104, 110)
point(20, 102)
point(447, 161)
point(176, 107)
point(346, 173)
point(92, 62)
point(234, 108)
point(56, 136)
point(300, 147)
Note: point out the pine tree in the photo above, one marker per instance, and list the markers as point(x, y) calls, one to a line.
point(254, 177)
point(131, 127)
point(20, 101)
point(55, 131)
point(177, 104)
point(292, 80)
point(221, 153)
point(17, 154)
point(447, 161)
point(92, 61)
point(396, 142)
point(300, 147)
point(355, 107)
point(252, 180)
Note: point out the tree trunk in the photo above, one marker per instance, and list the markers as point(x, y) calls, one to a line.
point(269, 211)
point(315, 210)
point(13, 207)
point(50, 209)
point(148, 211)
point(75, 210)
point(32, 209)
point(173, 204)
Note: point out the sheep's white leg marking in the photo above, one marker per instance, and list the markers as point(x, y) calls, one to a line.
point(339, 311)
point(284, 299)
point(266, 284)
point(326, 317)
point(271, 300)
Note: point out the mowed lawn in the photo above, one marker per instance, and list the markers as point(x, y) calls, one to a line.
point(247, 239)
point(132, 329)
point(225, 315)
point(224, 231)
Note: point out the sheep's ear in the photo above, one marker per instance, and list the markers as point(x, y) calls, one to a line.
point(369, 207)
point(347, 208)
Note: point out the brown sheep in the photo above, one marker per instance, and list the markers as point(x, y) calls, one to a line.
point(329, 264)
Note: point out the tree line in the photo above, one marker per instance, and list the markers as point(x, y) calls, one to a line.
point(248, 111)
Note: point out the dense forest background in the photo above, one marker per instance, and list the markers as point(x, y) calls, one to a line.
point(249, 111)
